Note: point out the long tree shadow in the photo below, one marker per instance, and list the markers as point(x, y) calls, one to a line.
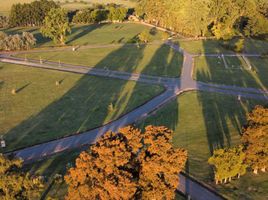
point(88, 104)
point(127, 58)
point(165, 61)
point(168, 115)
point(80, 31)
point(230, 70)
point(224, 115)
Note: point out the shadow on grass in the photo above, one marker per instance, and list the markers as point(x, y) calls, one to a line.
point(224, 115)
point(236, 72)
point(165, 61)
point(23, 87)
point(84, 106)
point(126, 58)
point(80, 31)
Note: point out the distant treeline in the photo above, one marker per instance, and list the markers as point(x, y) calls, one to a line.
point(30, 14)
point(221, 18)
point(99, 12)
point(33, 14)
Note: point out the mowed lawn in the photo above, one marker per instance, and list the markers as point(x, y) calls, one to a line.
point(153, 59)
point(213, 70)
point(205, 121)
point(109, 33)
point(215, 46)
point(41, 111)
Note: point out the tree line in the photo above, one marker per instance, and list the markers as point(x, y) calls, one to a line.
point(33, 14)
point(99, 13)
point(25, 41)
point(221, 18)
point(252, 153)
point(30, 14)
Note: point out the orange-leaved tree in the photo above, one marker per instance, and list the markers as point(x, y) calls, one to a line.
point(255, 139)
point(128, 165)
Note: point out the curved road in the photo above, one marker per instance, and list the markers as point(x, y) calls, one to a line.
point(174, 87)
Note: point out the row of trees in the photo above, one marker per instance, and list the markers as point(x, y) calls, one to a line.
point(33, 14)
point(30, 14)
point(224, 19)
point(25, 41)
point(99, 13)
point(253, 153)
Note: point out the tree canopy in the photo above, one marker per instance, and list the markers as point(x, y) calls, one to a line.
point(30, 14)
point(255, 139)
point(228, 163)
point(25, 41)
point(128, 165)
point(253, 152)
point(15, 184)
point(224, 19)
point(56, 25)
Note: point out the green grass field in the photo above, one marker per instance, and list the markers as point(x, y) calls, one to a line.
point(41, 111)
point(213, 70)
point(202, 122)
point(159, 60)
point(214, 46)
point(111, 33)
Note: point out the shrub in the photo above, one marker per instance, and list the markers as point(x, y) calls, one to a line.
point(16, 42)
point(144, 36)
point(3, 21)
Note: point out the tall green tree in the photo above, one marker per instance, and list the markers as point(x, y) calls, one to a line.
point(15, 185)
point(228, 163)
point(56, 25)
point(128, 165)
point(117, 13)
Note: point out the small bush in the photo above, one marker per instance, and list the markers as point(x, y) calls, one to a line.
point(16, 42)
point(237, 46)
point(144, 36)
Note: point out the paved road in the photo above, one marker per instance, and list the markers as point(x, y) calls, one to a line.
point(196, 189)
point(174, 87)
